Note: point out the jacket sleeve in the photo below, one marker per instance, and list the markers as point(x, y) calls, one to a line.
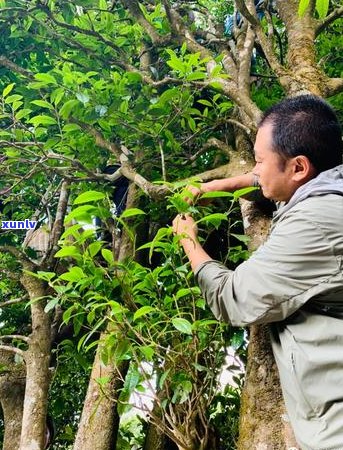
point(293, 266)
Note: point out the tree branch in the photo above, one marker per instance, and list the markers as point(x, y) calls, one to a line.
point(5, 62)
point(18, 254)
point(57, 228)
point(324, 23)
point(77, 29)
point(153, 191)
point(13, 301)
point(15, 336)
point(252, 18)
point(136, 12)
point(8, 348)
point(333, 86)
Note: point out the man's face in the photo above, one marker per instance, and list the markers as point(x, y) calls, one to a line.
point(274, 173)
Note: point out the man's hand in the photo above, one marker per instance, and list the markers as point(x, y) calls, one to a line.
point(224, 184)
point(185, 227)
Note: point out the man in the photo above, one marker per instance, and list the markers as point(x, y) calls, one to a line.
point(294, 282)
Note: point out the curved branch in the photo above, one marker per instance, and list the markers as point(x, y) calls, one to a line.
point(57, 228)
point(334, 86)
point(5, 62)
point(19, 255)
point(79, 30)
point(14, 301)
point(8, 348)
point(136, 12)
point(324, 23)
point(246, 13)
point(15, 336)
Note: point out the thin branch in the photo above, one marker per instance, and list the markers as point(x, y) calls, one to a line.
point(246, 13)
point(136, 12)
point(324, 23)
point(13, 301)
point(5, 62)
point(15, 336)
point(156, 192)
point(57, 228)
point(8, 348)
point(77, 29)
point(18, 254)
point(211, 143)
point(333, 86)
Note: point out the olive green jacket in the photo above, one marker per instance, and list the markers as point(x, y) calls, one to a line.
point(294, 282)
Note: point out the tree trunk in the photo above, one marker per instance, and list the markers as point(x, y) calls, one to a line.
point(263, 424)
point(37, 359)
point(156, 440)
point(12, 390)
point(99, 423)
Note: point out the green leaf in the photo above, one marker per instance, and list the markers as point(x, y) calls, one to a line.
point(242, 238)
point(42, 103)
point(51, 304)
point(75, 274)
point(196, 76)
point(216, 194)
point(89, 196)
point(215, 219)
point(45, 78)
point(176, 64)
point(131, 212)
point(13, 98)
point(94, 248)
point(108, 256)
point(205, 102)
point(182, 325)
point(69, 127)
point(216, 85)
point(163, 378)
point(47, 276)
point(42, 120)
point(70, 250)
point(22, 113)
point(142, 312)
point(8, 89)
point(322, 7)
point(148, 352)
point(195, 290)
point(303, 5)
point(68, 107)
point(241, 192)
point(81, 213)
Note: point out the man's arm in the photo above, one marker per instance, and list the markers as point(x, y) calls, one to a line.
point(185, 227)
point(225, 184)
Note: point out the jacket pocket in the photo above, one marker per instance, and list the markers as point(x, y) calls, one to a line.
point(304, 408)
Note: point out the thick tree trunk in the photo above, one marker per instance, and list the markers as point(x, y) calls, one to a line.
point(99, 423)
point(12, 390)
point(263, 424)
point(156, 440)
point(37, 359)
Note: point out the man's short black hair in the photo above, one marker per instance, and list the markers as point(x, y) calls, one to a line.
point(306, 125)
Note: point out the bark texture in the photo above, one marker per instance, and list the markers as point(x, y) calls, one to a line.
point(99, 423)
point(12, 390)
point(37, 358)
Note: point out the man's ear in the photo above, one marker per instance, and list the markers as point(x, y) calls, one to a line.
point(303, 169)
